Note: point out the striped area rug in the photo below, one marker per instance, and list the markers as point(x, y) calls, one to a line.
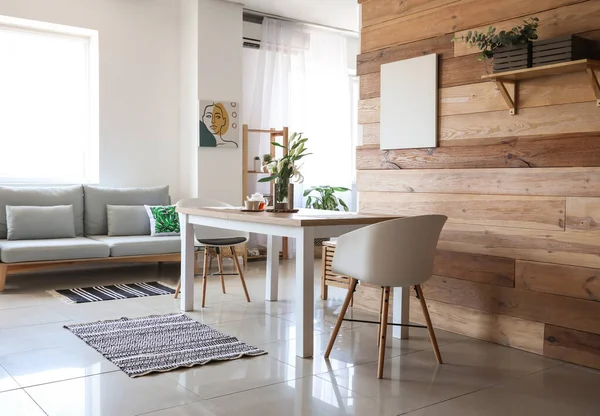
point(159, 343)
point(112, 292)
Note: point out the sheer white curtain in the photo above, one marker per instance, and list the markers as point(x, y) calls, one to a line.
point(302, 81)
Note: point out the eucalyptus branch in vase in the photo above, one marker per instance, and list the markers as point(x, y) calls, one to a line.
point(286, 169)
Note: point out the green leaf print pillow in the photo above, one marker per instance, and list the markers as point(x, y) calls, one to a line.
point(163, 220)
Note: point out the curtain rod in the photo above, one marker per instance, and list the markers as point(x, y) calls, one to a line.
point(287, 19)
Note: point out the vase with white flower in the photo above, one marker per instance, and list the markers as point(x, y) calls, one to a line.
point(286, 169)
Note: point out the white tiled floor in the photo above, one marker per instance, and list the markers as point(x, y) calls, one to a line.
point(44, 369)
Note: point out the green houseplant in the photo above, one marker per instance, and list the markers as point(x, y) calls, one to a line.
point(488, 42)
point(286, 169)
point(266, 159)
point(325, 198)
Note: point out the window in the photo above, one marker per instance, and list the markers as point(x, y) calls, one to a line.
point(48, 103)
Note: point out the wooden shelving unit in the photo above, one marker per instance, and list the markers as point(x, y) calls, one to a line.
point(279, 136)
point(508, 82)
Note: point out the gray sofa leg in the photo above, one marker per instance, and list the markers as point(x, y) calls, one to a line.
point(3, 273)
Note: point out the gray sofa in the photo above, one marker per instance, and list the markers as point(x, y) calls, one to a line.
point(89, 240)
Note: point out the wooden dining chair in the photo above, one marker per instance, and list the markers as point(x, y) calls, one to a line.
point(216, 239)
point(395, 253)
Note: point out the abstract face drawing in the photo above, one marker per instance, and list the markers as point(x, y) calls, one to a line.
point(216, 123)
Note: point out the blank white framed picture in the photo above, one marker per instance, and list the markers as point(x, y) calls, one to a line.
point(409, 103)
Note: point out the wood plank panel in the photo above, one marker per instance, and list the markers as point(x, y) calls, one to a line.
point(466, 70)
point(485, 96)
point(449, 18)
point(563, 150)
point(577, 282)
point(541, 213)
point(583, 214)
point(557, 310)
point(501, 329)
point(573, 346)
point(492, 270)
point(494, 127)
point(462, 71)
point(370, 86)
point(371, 61)
point(575, 249)
point(370, 133)
point(541, 181)
point(536, 92)
point(575, 18)
point(368, 111)
point(374, 12)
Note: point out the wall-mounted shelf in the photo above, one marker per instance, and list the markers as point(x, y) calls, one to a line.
point(511, 78)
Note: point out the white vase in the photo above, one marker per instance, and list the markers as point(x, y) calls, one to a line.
point(257, 166)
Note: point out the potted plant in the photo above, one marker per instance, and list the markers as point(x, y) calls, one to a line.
point(502, 45)
point(286, 169)
point(324, 197)
point(266, 159)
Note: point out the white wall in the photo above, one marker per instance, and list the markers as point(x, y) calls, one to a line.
point(220, 78)
point(188, 95)
point(139, 82)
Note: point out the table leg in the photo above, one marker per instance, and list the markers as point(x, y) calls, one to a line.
point(305, 292)
point(273, 248)
point(401, 311)
point(187, 263)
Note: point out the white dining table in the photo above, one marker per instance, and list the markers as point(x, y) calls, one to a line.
point(304, 226)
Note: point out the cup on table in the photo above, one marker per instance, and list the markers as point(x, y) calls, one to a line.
point(253, 205)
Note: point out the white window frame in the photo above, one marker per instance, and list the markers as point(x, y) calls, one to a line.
point(92, 153)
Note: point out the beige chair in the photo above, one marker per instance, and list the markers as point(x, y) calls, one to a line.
point(217, 239)
point(396, 253)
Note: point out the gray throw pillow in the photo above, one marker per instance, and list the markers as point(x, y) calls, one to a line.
point(98, 197)
point(34, 223)
point(127, 220)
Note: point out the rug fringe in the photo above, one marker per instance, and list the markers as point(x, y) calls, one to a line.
point(60, 297)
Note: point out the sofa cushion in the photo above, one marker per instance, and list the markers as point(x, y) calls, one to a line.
point(17, 251)
point(164, 220)
point(28, 223)
point(139, 245)
point(64, 195)
point(97, 198)
point(127, 220)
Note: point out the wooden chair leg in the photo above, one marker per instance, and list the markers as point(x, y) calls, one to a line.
point(434, 344)
point(220, 261)
point(340, 319)
point(178, 288)
point(383, 331)
point(239, 270)
point(380, 311)
point(3, 274)
point(204, 277)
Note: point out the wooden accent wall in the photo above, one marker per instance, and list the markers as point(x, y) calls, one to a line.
point(519, 259)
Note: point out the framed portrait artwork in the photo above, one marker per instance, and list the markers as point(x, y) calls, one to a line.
point(219, 124)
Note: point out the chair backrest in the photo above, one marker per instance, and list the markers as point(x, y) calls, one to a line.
point(206, 233)
point(395, 253)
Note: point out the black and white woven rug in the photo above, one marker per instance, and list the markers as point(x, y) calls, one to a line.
point(161, 343)
point(112, 292)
